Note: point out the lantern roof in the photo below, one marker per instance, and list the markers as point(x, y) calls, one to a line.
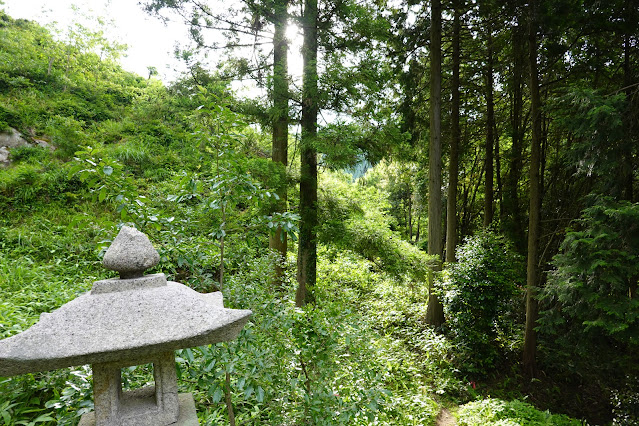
point(133, 317)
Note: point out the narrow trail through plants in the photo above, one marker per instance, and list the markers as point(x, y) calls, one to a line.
point(445, 418)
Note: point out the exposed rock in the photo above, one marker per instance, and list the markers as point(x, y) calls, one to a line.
point(43, 144)
point(4, 157)
point(11, 138)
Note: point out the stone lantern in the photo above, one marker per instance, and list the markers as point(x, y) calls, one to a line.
point(132, 320)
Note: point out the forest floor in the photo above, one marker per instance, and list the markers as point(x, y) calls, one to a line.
point(445, 418)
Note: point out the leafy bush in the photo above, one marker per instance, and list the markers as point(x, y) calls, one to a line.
point(27, 184)
point(590, 308)
point(496, 412)
point(29, 154)
point(67, 135)
point(625, 402)
point(593, 290)
point(479, 298)
point(321, 365)
point(113, 131)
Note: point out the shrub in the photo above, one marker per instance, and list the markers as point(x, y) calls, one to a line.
point(592, 293)
point(134, 155)
point(590, 309)
point(113, 131)
point(625, 402)
point(29, 154)
point(479, 298)
point(67, 134)
point(28, 184)
point(496, 412)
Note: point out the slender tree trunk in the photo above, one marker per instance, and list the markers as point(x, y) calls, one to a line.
point(66, 71)
point(222, 252)
point(468, 199)
point(278, 241)
point(453, 165)
point(512, 215)
point(227, 399)
point(221, 280)
point(410, 220)
point(307, 253)
point(435, 310)
point(628, 158)
point(500, 187)
point(532, 271)
point(490, 126)
point(627, 178)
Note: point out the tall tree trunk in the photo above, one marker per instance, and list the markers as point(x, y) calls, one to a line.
point(534, 216)
point(627, 169)
point(278, 241)
point(307, 253)
point(435, 310)
point(490, 136)
point(500, 187)
point(410, 219)
point(453, 165)
point(512, 214)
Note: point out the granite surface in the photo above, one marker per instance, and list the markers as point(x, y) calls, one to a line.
point(130, 253)
point(119, 325)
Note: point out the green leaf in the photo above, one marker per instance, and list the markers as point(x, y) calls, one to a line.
point(44, 418)
point(108, 170)
point(217, 395)
point(248, 391)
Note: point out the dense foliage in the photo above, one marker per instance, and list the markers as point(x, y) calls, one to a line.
point(590, 305)
point(482, 300)
point(595, 280)
point(541, 101)
point(497, 412)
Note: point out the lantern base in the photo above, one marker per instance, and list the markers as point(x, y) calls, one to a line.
point(187, 416)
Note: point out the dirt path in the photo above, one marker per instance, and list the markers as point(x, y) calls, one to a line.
point(445, 418)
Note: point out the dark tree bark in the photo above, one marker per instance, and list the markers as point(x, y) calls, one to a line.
point(453, 165)
point(435, 310)
point(498, 176)
point(490, 135)
point(627, 169)
point(278, 241)
point(534, 215)
point(410, 218)
point(512, 215)
point(307, 253)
